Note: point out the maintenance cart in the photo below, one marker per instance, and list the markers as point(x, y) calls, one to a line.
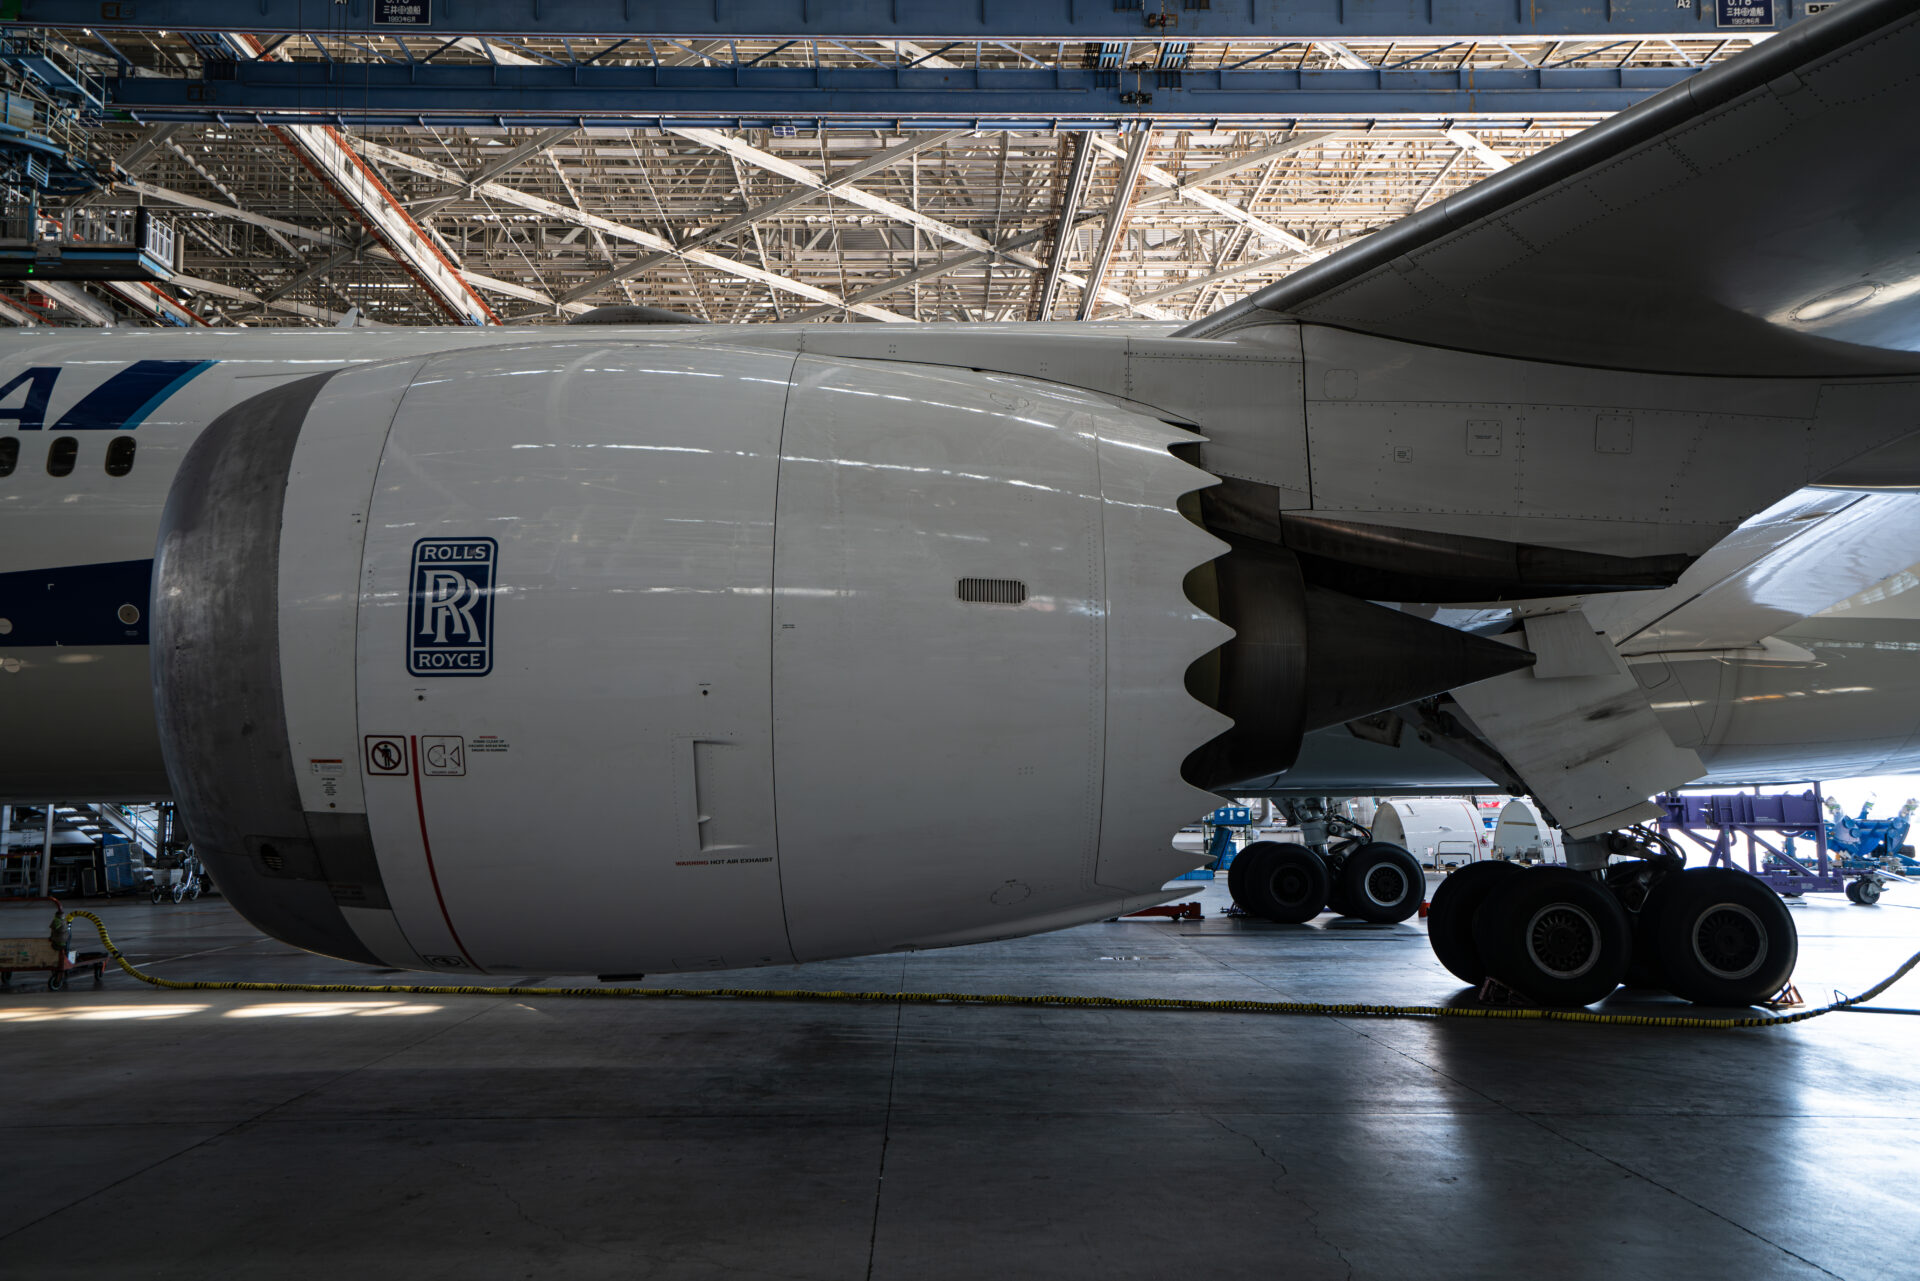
point(48, 953)
point(178, 876)
point(1718, 822)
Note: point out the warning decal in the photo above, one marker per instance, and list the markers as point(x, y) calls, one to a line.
point(443, 756)
point(386, 754)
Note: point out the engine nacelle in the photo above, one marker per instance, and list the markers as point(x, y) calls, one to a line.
point(611, 656)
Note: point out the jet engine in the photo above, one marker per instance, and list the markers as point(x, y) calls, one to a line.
point(621, 657)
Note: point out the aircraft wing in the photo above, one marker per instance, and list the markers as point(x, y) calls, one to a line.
point(1761, 218)
point(1805, 554)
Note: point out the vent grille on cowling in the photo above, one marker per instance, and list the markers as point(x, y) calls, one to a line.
point(993, 591)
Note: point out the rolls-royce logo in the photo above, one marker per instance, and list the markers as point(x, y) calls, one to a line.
point(450, 610)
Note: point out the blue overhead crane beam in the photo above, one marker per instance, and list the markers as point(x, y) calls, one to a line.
point(1199, 20)
point(757, 97)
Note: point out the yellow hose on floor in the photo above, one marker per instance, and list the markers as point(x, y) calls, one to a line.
point(1047, 1002)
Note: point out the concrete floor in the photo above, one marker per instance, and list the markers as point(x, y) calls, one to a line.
point(203, 1134)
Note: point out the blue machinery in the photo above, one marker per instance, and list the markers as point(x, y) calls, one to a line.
point(1220, 827)
point(1857, 856)
point(1867, 841)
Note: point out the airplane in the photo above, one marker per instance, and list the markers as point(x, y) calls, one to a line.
point(634, 649)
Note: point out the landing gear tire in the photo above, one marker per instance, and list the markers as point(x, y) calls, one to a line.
point(1237, 879)
point(1382, 883)
point(1723, 937)
point(1450, 919)
point(1554, 935)
point(1286, 884)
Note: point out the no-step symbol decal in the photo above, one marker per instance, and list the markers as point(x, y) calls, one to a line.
point(386, 754)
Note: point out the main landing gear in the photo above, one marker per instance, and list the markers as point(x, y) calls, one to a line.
point(1558, 936)
point(1355, 876)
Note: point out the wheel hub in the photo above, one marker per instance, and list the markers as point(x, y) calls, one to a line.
point(1563, 940)
point(1386, 885)
point(1729, 941)
point(1290, 885)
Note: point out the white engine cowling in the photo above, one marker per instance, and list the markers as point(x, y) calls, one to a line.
point(1441, 831)
point(615, 657)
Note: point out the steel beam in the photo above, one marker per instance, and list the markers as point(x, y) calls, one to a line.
point(325, 151)
point(14, 313)
point(1192, 192)
point(877, 204)
point(1122, 205)
point(1007, 248)
point(852, 173)
point(222, 290)
point(1063, 228)
point(618, 231)
point(958, 262)
point(794, 172)
point(494, 168)
point(1479, 150)
point(75, 300)
point(150, 144)
point(1212, 277)
point(413, 94)
point(513, 289)
point(155, 302)
point(187, 201)
point(924, 20)
point(1239, 269)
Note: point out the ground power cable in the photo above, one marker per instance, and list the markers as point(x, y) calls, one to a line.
point(1176, 1004)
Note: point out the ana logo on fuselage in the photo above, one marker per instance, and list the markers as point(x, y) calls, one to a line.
point(121, 403)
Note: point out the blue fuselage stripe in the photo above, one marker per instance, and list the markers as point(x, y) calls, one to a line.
point(124, 400)
point(139, 415)
point(76, 605)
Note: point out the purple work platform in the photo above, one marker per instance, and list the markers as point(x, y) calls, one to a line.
point(1717, 821)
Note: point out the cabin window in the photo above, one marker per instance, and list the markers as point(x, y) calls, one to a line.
point(120, 456)
point(9, 454)
point(60, 455)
